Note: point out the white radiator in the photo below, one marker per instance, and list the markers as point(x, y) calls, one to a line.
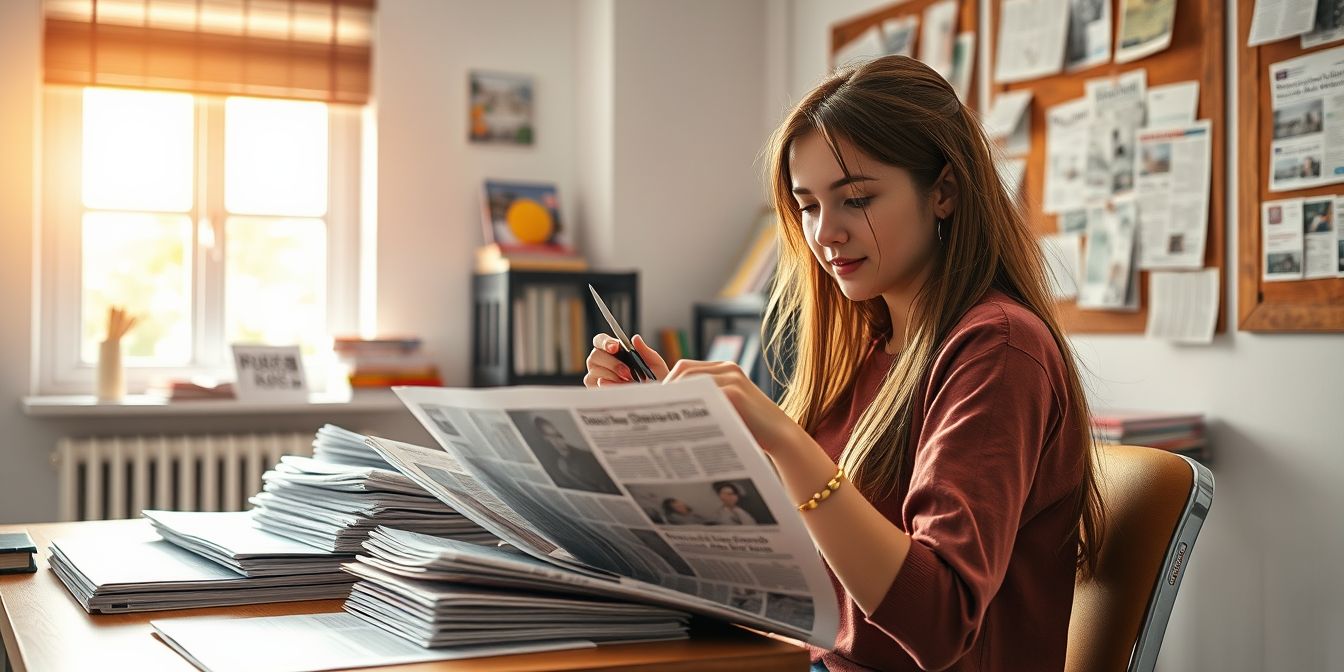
point(117, 477)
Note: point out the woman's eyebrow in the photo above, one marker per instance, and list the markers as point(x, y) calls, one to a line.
point(837, 184)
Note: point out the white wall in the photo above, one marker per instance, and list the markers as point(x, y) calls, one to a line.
point(1263, 589)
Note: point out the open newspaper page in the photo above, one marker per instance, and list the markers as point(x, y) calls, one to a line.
point(656, 487)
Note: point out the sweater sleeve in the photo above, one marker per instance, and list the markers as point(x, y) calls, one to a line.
point(975, 458)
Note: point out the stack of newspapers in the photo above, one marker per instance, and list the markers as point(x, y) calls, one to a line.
point(334, 506)
point(338, 445)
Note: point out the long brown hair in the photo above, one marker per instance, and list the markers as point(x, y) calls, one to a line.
point(902, 113)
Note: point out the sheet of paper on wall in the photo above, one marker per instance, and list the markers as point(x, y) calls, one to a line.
point(1172, 192)
point(1329, 26)
point(1031, 39)
point(1108, 257)
point(938, 36)
point(862, 48)
point(1063, 257)
point(963, 64)
point(1088, 40)
point(1075, 221)
point(1318, 238)
point(1117, 106)
point(898, 35)
point(1067, 128)
point(1008, 123)
point(1172, 104)
point(1145, 28)
point(1274, 20)
point(1307, 98)
point(1011, 172)
point(1183, 306)
point(1281, 224)
point(1339, 237)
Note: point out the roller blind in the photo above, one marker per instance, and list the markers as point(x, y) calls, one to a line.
point(301, 49)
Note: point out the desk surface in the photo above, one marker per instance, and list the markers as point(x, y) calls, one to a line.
point(44, 628)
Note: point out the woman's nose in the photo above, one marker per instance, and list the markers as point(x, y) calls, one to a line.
point(830, 230)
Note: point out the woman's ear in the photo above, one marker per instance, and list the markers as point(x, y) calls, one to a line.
point(945, 191)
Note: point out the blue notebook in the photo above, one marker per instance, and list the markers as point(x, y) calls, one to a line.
point(16, 553)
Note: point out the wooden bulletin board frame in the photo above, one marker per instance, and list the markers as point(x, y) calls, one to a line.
point(968, 19)
point(1300, 305)
point(1196, 53)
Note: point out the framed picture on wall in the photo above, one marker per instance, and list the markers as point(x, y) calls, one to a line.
point(501, 108)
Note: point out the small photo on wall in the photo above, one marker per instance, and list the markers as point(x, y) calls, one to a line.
point(501, 108)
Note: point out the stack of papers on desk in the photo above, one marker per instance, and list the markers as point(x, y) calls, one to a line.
point(342, 446)
point(440, 592)
point(334, 506)
point(140, 572)
point(231, 539)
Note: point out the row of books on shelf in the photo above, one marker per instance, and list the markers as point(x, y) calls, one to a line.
point(384, 362)
point(1177, 433)
point(551, 334)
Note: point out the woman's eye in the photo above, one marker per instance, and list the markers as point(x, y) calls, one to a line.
point(857, 202)
point(808, 208)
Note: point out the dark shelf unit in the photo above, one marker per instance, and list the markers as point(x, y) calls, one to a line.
point(739, 315)
point(493, 326)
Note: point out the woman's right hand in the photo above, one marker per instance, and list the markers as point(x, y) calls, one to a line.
point(605, 369)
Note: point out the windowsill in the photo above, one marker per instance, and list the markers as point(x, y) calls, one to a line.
point(86, 405)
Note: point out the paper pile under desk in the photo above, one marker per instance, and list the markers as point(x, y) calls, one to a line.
point(114, 573)
point(334, 506)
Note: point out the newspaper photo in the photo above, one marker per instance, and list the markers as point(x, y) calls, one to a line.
point(1117, 109)
point(898, 35)
point(1329, 25)
point(938, 36)
point(1031, 39)
point(654, 491)
point(1067, 132)
point(1172, 193)
point(1282, 225)
point(1318, 238)
point(1089, 37)
point(1145, 28)
point(1307, 97)
point(1108, 258)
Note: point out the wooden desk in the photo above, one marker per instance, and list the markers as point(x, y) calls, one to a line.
point(44, 629)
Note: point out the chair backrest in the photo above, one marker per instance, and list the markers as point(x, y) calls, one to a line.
point(1155, 502)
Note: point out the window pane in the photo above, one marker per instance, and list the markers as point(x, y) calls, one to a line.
point(142, 262)
point(138, 150)
point(275, 157)
point(275, 281)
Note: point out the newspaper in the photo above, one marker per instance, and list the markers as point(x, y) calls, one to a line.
point(1281, 222)
point(1339, 237)
point(898, 35)
point(1173, 196)
point(1172, 104)
point(1329, 26)
point(1184, 306)
point(1307, 97)
point(1145, 28)
point(1318, 237)
point(938, 35)
point(1009, 123)
point(1075, 221)
point(1117, 113)
point(1067, 131)
point(1108, 259)
point(1274, 20)
point(1062, 253)
point(963, 64)
point(1031, 39)
point(1089, 36)
point(658, 488)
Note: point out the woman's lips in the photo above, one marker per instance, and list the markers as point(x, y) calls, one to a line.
point(845, 266)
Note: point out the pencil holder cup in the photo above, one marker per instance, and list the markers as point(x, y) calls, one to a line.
point(111, 375)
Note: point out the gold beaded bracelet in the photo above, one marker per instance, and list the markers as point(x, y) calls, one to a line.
point(831, 486)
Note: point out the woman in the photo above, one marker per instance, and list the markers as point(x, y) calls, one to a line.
point(677, 512)
point(730, 513)
point(929, 365)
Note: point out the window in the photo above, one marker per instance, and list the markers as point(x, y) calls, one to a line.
point(215, 220)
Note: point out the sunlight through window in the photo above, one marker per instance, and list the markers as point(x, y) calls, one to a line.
point(138, 150)
point(275, 157)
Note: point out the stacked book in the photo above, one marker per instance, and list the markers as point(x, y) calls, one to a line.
point(1178, 433)
point(550, 329)
point(442, 592)
point(16, 553)
point(334, 506)
point(385, 362)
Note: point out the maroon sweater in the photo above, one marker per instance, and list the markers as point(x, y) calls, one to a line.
point(986, 499)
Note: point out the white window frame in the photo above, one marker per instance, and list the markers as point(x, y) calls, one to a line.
point(59, 369)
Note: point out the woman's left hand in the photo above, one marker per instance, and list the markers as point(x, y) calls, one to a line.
point(772, 428)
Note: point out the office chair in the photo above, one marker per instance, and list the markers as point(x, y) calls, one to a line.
point(1155, 502)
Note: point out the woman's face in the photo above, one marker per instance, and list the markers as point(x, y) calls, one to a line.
point(834, 223)
point(728, 496)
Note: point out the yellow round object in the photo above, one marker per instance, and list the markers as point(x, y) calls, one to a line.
point(529, 221)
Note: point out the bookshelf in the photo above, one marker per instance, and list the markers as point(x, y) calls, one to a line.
point(737, 315)
point(536, 327)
